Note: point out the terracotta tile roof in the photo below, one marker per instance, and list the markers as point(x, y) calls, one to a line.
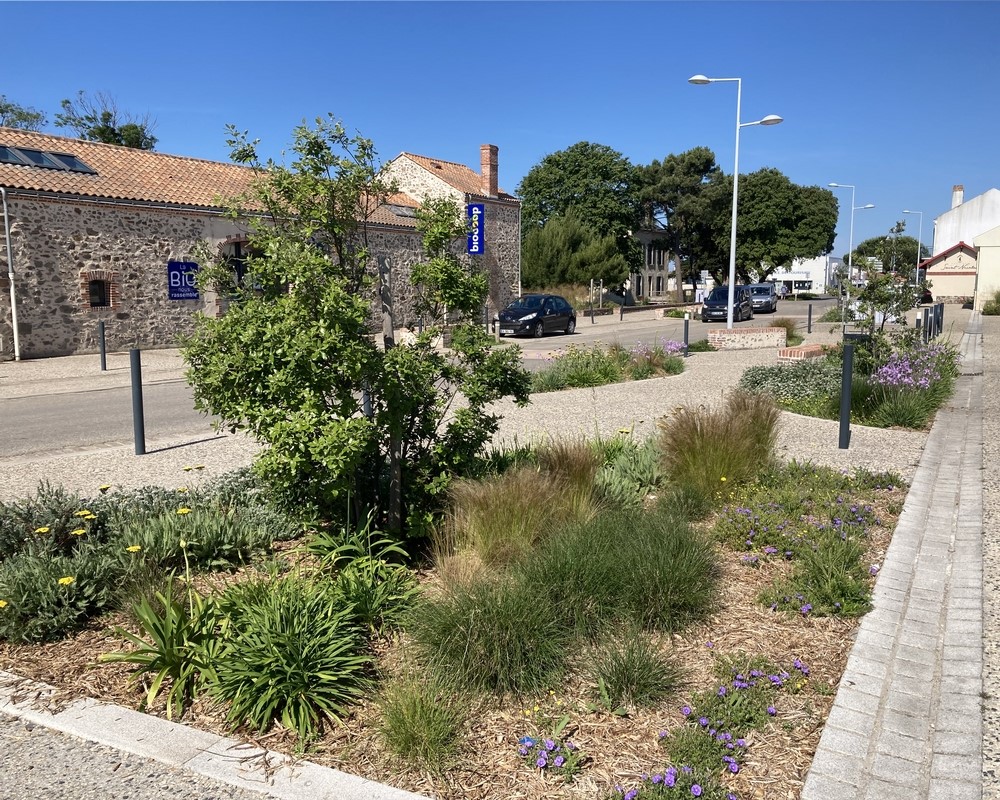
point(458, 176)
point(123, 173)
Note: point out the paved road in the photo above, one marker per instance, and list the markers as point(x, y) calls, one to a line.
point(96, 417)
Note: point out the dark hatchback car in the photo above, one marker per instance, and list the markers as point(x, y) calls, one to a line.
point(716, 305)
point(537, 314)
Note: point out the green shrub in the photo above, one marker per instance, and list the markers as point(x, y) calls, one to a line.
point(49, 523)
point(292, 653)
point(630, 473)
point(712, 449)
point(421, 722)
point(806, 380)
point(902, 409)
point(46, 596)
point(700, 346)
point(579, 367)
point(490, 635)
point(631, 671)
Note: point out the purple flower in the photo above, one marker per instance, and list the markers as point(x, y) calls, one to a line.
point(771, 711)
point(526, 740)
point(559, 761)
point(703, 721)
point(541, 763)
point(631, 794)
point(657, 779)
point(734, 767)
point(550, 745)
point(696, 790)
point(669, 779)
point(686, 711)
point(806, 609)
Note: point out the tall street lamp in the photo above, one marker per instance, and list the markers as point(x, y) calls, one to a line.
point(850, 246)
point(770, 119)
point(920, 235)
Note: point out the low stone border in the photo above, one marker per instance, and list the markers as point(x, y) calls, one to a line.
point(747, 338)
point(788, 355)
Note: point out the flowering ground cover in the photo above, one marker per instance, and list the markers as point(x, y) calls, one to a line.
point(741, 715)
point(577, 367)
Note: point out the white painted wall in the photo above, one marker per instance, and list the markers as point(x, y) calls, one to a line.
point(988, 279)
point(967, 221)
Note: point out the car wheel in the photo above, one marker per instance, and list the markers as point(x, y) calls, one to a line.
point(571, 326)
point(538, 330)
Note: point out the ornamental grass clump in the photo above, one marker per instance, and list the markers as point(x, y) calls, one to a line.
point(660, 575)
point(580, 367)
point(631, 671)
point(713, 449)
point(421, 721)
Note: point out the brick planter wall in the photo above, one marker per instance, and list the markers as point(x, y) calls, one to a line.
point(747, 338)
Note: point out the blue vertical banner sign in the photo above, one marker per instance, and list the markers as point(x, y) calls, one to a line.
point(477, 229)
point(181, 283)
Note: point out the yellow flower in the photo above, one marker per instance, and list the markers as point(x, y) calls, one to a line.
point(134, 548)
point(536, 708)
point(3, 604)
point(90, 516)
point(183, 544)
point(41, 530)
point(78, 532)
point(66, 581)
point(83, 512)
point(723, 479)
point(104, 487)
point(625, 430)
point(184, 510)
point(182, 489)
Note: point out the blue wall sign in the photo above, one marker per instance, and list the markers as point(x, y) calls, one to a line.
point(181, 280)
point(477, 229)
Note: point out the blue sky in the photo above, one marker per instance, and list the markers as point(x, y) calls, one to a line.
point(898, 98)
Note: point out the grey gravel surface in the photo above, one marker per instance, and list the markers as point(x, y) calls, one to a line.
point(39, 763)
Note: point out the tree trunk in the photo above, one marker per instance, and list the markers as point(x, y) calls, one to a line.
point(394, 515)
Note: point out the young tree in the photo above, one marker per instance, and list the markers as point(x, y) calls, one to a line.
point(99, 120)
point(349, 425)
point(26, 118)
point(598, 184)
point(894, 252)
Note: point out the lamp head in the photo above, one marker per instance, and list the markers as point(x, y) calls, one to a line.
point(868, 205)
point(699, 80)
point(771, 119)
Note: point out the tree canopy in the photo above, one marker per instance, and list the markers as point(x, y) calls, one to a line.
point(100, 120)
point(779, 221)
point(895, 252)
point(26, 118)
point(594, 182)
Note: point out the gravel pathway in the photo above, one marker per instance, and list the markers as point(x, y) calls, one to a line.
point(991, 559)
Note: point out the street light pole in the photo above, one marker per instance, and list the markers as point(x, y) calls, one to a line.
point(770, 119)
point(850, 245)
point(920, 235)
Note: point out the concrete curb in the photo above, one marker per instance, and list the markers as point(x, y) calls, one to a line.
point(211, 756)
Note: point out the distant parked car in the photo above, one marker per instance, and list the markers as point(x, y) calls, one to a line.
point(922, 294)
point(764, 296)
point(716, 305)
point(537, 314)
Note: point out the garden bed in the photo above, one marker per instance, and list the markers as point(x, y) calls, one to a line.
point(619, 748)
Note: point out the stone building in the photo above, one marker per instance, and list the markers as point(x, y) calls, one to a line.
point(99, 233)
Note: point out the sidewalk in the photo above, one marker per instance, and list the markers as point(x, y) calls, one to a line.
point(907, 718)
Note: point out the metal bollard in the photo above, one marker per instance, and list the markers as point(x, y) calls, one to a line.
point(102, 345)
point(138, 421)
point(927, 325)
point(845, 397)
point(687, 325)
point(809, 319)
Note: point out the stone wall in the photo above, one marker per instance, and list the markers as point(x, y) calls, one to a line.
point(59, 246)
point(747, 338)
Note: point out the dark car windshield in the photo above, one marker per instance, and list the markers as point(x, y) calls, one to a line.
point(760, 289)
point(528, 302)
point(719, 293)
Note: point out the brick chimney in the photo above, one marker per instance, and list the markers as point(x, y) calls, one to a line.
point(957, 195)
point(488, 169)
